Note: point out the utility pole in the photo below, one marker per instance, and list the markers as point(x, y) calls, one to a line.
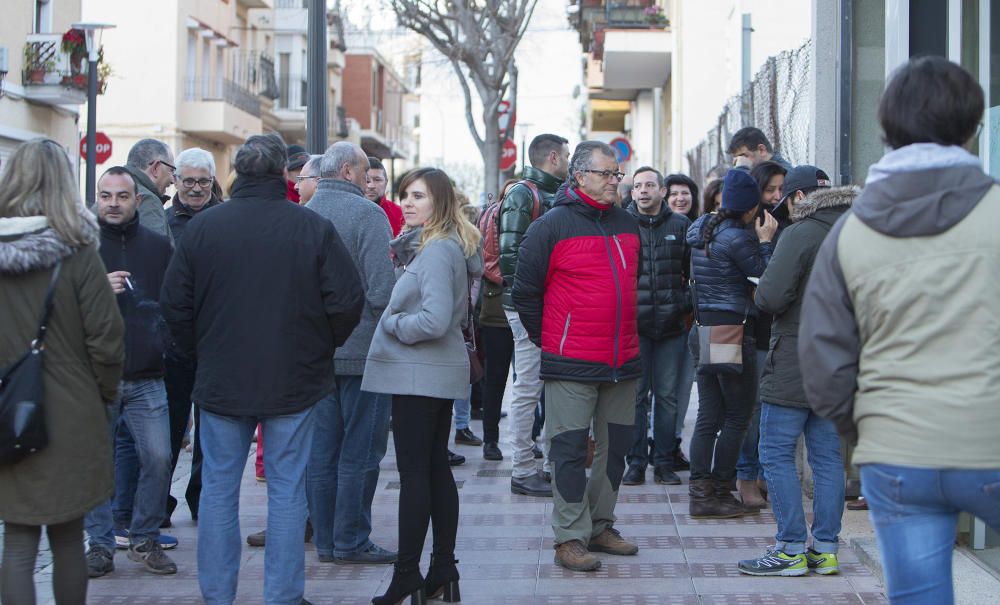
point(745, 76)
point(316, 107)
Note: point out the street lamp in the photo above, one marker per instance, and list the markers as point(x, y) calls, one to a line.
point(92, 32)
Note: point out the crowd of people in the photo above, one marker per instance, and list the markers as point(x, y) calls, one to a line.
point(295, 301)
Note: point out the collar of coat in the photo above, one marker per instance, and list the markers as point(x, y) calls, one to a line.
point(824, 198)
point(545, 181)
point(181, 208)
point(30, 244)
point(339, 185)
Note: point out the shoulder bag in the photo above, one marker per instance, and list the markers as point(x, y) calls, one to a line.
point(720, 348)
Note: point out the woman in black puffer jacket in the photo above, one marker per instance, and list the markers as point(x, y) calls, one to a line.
point(725, 252)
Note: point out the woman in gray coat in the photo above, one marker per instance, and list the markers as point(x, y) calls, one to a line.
point(42, 224)
point(418, 356)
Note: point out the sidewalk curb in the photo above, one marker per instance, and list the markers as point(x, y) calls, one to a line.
point(974, 583)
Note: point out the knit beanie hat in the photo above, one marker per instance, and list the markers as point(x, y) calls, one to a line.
point(739, 191)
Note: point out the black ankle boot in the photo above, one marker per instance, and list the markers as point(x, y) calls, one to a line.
point(442, 579)
point(406, 582)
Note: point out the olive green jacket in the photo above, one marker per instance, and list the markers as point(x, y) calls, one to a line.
point(83, 363)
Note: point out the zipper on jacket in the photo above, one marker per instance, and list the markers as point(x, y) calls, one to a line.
point(618, 292)
point(620, 253)
point(562, 342)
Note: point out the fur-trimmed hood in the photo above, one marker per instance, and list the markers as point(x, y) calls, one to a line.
point(30, 244)
point(837, 197)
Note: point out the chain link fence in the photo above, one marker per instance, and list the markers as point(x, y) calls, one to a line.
point(778, 101)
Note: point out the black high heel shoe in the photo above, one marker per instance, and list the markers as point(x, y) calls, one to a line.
point(442, 579)
point(406, 582)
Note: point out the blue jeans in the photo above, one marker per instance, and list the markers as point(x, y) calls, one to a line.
point(748, 466)
point(915, 514)
point(142, 410)
point(344, 466)
point(225, 446)
point(463, 412)
point(126, 476)
point(780, 427)
point(663, 364)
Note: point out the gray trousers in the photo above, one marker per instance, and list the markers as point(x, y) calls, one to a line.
point(583, 509)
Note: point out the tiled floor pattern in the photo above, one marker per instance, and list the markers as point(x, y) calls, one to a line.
point(505, 548)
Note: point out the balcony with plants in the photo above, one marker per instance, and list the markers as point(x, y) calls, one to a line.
point(55, 69)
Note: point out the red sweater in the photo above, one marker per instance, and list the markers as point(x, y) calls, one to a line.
point(394, 213)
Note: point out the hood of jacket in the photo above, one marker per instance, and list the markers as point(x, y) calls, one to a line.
point(544, 180)
point(407, 245)
point(821, 199)
point(921, 189)
point(267, 188)
point(142, 179)
point(648, 220)
point(28, 243)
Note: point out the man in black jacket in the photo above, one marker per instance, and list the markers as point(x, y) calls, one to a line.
point(260, 292)
point(663, 302)
point(136, 259)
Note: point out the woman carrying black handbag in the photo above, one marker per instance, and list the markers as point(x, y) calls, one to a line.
point(43, 225)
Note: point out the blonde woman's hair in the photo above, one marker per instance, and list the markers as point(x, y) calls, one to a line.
point(447, 216)
point(38, 181)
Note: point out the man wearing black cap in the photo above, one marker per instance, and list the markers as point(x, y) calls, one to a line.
point(785, 415)
point(800, 182)
point(297, 158)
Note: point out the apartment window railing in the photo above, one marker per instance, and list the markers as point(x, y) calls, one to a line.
point(292, 91)
point(340, 122)
point(222, 89)
point(254, 71)
point(290, 4)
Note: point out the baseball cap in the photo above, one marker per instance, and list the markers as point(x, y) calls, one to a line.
point(805, 177)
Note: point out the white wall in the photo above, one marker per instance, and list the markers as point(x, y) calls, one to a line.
point(707, 58)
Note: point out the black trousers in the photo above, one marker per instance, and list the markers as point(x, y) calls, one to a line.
point(725, 404)
point(179, 380)
point(498, 345)
point(428, 494)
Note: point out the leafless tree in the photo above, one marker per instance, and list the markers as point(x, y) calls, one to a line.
point(478, 38)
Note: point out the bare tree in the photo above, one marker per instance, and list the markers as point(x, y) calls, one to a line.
point(478, 38)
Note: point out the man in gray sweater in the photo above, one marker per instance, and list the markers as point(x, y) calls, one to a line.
point(354, 424)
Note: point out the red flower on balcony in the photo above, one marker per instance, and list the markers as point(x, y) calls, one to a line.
point(74, 41)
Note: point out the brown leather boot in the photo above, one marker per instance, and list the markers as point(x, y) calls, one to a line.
point(750, 494)
point(611, 541)
point(573, 555)
point(707, 502)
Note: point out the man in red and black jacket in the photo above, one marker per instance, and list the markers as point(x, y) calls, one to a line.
point(575, 293)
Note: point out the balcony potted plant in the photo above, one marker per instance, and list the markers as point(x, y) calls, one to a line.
point(74, 43)
point(35, 66)
point(654, 16)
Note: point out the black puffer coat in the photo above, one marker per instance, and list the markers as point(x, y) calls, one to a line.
point(721, 277)
point(664, 255)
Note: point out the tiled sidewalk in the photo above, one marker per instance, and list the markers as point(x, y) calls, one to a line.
point(505, 548)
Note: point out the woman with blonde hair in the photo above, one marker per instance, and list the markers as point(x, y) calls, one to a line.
point(49, 240)
point(418, 356)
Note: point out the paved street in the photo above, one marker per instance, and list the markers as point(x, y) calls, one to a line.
point(505, 548)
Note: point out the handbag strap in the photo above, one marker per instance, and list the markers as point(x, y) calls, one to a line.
point(43, 324)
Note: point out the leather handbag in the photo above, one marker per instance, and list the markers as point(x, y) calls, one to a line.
point(720, 348)
point(22, 412)
point(476, 371)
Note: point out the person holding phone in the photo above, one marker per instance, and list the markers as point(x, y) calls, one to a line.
point(725, 252)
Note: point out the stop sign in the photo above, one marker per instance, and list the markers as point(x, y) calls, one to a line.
point(508, 155)
point(102, 150)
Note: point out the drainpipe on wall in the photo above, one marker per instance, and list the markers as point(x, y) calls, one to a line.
point(846, 73)
point(657, 125)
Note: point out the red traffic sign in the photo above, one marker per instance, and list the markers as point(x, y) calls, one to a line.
point(506, 117)
point(623, 149)
point(508, 155)
point(102, 149)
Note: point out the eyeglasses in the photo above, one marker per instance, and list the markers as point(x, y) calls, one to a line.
point(203, 183)
point(299, 178)
point(606, 174)
point(168, 165)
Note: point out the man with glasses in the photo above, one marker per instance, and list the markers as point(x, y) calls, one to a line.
point(307, 180)
point(375, 191)
point(575, 295)
point(151, 164)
